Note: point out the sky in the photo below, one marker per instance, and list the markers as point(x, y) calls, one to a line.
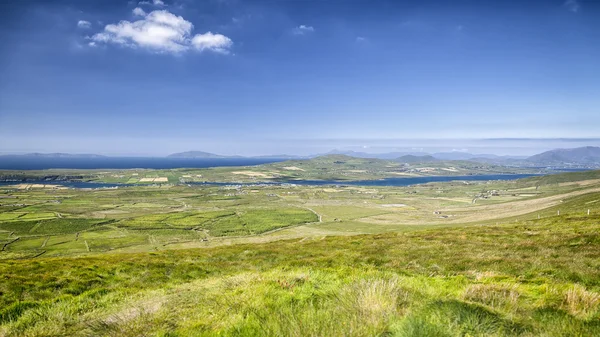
point(298, 76)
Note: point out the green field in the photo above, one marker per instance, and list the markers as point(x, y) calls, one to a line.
point(330, 167)
point(440, 259)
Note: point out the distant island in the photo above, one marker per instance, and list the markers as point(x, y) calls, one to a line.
point(202, 154)
point(198, 154)
point(581, 157)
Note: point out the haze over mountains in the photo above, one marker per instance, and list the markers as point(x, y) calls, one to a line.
point(409, 158)
point(197, 154)
point(202, 154)
point(581, 155)
point(454, 155)
point(588, 156)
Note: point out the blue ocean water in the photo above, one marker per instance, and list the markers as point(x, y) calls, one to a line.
point(413, 180)
point(381, 182)
point(41, 163)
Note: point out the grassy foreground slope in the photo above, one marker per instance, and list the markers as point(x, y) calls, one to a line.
point(534, 278)
point(444, 259)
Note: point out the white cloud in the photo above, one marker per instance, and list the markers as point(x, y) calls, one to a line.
point(361, 39)
point(572, 5)
point(215, 42)
point(162, 31)
point(84, 24)
point(139, 12)
point(157, 3)
point(302, 29)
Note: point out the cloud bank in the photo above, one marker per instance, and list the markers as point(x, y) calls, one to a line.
point(157, 3)
point(163, 32)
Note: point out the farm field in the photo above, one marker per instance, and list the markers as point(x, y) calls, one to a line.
point(330, 167)
point(512, 258)
point(51, 220)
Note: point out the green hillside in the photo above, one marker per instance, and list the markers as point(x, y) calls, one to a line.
point(530, 279)
point(442, 259)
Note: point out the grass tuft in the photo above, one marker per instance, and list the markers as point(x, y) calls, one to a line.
point(580, 302)
point(493, 295)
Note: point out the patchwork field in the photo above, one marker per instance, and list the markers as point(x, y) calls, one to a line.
point(517, 258)
point(51, 220)
point(330, 167)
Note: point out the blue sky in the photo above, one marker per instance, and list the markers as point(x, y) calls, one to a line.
point(258, 77)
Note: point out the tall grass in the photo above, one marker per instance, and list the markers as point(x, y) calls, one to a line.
point(540, 278)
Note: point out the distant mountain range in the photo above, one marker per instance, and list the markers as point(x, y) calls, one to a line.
point(584, 157)
point(409, 159)
point(455, 155)
point(579, 156)
point(387, 155)
point(197, 154)
point(202, 154)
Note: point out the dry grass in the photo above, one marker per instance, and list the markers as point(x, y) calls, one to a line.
point(509, 209)
point(494, 295)
point(407, 284)
point(252, 174)
point(156, 180)
point(402, 174)
point(293, 168)
point(30, 186)
point(581, 302)
point(480, 275)
point(374, 301)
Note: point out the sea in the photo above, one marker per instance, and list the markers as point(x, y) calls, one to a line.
point(380, 182)
point(44, 163)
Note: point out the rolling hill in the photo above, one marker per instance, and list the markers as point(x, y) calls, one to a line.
point(409, 159)
point(588, 155)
